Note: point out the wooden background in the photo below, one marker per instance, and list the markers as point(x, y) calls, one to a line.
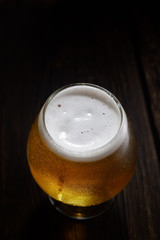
point(47, 44)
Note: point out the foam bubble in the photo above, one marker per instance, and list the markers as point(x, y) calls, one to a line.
point(80, 123)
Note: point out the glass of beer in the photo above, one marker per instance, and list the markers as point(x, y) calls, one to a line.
point(81, 149)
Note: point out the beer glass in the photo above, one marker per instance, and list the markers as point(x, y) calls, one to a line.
point(81, 149)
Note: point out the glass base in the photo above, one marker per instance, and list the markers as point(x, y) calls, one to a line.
point(81, 213)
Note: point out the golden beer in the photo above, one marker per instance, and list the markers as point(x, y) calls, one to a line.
point(89, 181)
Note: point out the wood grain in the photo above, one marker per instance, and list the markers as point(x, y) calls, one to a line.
point(148, 45)
point(44, 47)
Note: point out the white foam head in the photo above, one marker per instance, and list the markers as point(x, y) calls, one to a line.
point(82, 122)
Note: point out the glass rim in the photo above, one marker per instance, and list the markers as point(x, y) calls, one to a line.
point(78, 153)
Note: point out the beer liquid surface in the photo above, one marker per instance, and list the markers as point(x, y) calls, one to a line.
point(79, 151)
point(81, 121)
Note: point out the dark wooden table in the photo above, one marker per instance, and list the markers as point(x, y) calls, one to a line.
point(45, 45)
